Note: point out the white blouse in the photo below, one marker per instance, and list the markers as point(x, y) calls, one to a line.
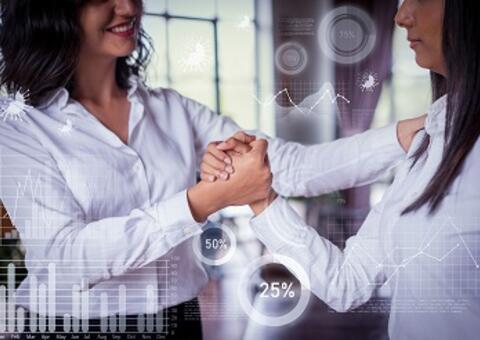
point(431, 262)
point(103, 222)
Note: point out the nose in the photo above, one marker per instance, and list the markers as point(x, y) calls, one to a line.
point(126, 7)
point(404, 17)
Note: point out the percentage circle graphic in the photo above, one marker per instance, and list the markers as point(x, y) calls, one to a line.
point(215, 243)
point(269, 320)
point(291, 58)
point(347, 35)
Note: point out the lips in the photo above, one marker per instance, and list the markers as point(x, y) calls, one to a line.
point(124, 29)
point(414, 42)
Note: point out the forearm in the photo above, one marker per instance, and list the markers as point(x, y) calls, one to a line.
point(204, 200)
point(341, 279)
point(110, 247)
point(344, 163)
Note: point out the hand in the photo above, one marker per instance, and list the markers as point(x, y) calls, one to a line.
point(259, 206)
point(251, 182)
point(217, 162)
point(407, 129)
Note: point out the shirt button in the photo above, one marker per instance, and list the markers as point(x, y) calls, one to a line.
point(137, 167)
point(189, 230)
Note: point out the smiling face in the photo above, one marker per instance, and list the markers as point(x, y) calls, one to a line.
point(423, 20)
point(110, 27)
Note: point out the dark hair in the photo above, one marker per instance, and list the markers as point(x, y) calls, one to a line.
point(40, 41)
point(461, 49)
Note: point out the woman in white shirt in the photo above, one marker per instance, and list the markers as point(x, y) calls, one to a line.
point(423, 238)
point(98, 172)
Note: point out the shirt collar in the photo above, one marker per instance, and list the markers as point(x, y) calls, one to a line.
point(436, 116)
point(60, 99)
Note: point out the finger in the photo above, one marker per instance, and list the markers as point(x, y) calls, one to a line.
point(216, 164)
point(235, 145)
point(208, 178)
point(244, 137)
point(219, 154)
point(229, 144)
point(260, 146)
point(241, 148)
point(209, 170)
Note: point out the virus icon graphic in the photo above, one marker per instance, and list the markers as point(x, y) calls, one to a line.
point(246, 23)
point(196, 58)
point(66, 130)
point(14, 106)
point(368, 81)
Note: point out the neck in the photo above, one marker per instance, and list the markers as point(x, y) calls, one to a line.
point(95, 80)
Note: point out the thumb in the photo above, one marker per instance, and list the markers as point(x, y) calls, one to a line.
point(259, 146)
point(244, 137)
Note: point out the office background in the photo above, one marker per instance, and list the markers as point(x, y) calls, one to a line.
point(224, 53)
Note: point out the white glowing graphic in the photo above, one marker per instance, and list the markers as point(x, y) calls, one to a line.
point(368, 81)
point(67, 128)
point(196, 57)
point(14, 107)
point(310, 106)
point(246, 23)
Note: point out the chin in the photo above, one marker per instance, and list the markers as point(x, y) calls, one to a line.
point(423, 62)
point(123, 52)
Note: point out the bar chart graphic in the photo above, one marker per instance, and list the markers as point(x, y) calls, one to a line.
point(40, 317)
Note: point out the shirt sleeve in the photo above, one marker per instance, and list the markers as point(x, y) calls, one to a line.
point(309, 170)
point(344, 163)
point(342, 279)
point(53, 228)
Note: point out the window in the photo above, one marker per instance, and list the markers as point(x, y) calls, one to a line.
point(205, 49)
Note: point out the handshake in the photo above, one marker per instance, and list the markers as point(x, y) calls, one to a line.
point(233, 172)
point(237, 172)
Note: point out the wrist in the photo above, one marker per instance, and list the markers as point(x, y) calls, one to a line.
point(260, 206)
point(203, 201)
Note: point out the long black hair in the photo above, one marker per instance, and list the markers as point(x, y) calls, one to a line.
point(40, 43)
point(461, 50)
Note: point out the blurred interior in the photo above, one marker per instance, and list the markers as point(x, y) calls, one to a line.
point(223, 54)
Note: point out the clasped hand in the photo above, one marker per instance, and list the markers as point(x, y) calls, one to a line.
point(240, 168)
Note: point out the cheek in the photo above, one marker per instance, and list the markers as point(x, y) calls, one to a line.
point(93, 23)
point(435, 47)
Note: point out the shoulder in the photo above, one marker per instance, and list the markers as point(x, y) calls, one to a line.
point(172, 95)
point(172, 100)
point(18, 126)
point(14, 116)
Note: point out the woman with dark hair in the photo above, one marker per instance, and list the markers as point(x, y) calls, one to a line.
point(422, 239)
point(99, 172)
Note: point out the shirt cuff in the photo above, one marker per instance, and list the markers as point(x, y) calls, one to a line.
point(175, 218)
point(279, 226)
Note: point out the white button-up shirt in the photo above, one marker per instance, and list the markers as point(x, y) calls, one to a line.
point(431, 262)
point(102, 221)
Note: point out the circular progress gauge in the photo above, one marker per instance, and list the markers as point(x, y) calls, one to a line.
point(347, 35)
point(215, 246)
point(280, 292)
point(291, 58)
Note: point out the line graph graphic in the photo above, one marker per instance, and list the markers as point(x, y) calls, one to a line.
point(23, 197)
point(30, 186)
point(326, 94)
point(423, 251)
